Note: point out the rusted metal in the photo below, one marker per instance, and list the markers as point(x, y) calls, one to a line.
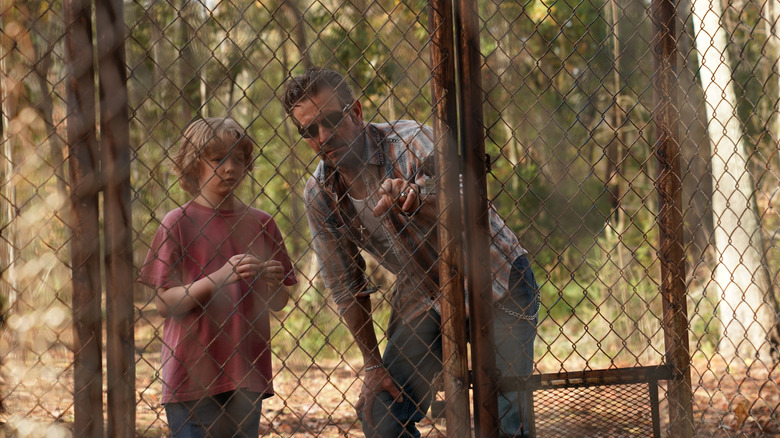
point(453, 302)
point(115, 155)
point(671, 251)
point(571, 379)
point(475, 208)
point(85, 240)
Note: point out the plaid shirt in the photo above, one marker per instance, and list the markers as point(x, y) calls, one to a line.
point(403, 149)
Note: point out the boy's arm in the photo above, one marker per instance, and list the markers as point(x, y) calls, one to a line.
point(279, 297)
point(179, 300)
point(276, 294)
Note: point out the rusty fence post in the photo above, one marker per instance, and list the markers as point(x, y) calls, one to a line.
point(475, 214)
point(670, 221)
point(85, 237)
point(117, 233)
point(453, 303)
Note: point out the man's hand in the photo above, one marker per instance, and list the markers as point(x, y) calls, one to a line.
point(397, 193)
point(374, 382)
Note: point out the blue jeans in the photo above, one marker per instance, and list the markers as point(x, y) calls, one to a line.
point(230, 414)
point(413, 357)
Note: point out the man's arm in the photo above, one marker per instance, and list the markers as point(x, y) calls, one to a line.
point(343, 270)
point(358, 318)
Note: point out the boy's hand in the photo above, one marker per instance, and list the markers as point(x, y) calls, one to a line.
point(249, 268)
point(239, 267)
point(272, 272)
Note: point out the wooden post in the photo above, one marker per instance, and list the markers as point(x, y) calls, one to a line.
point(85, 238)
point(475, 213)
point(115, 155)
point(453, 302)
point(671, 252)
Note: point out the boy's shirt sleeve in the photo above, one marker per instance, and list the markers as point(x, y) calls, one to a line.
point(161, 268)
point(281, 255)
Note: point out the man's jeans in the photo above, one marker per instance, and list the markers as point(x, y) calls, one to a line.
point(413, 357)
point(230, 414)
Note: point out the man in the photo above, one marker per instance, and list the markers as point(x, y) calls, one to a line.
point(373, 190)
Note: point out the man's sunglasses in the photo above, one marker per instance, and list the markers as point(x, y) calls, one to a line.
point(329, 120)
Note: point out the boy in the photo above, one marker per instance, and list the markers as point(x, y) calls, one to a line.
point(217, 266)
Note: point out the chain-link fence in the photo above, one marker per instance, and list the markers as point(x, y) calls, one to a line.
point(630, 146)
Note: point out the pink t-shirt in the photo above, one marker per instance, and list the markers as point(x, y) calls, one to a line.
point(223, 345)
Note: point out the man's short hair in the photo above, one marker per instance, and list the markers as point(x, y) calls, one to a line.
point(201, 139)
point(311, 82)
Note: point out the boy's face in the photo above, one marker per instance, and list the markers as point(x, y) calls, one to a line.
point(220, 172)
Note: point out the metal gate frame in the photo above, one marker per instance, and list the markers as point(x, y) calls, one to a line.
point(456, 62)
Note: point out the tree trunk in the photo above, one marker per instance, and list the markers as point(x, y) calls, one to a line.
point(298, 32)
point(188, 68)
point(741, 276)
point(8, 283)
point(774, 134)
point(46, 110)
point(296, 170)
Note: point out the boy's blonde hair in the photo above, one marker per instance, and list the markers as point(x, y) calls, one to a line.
point(203, 137)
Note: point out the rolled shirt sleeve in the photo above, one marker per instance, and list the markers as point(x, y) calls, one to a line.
point(341, 265)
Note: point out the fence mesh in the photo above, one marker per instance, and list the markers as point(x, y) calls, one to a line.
point(621, 411)
point(568, 126)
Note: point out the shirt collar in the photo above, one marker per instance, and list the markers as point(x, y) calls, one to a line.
point(372, 143)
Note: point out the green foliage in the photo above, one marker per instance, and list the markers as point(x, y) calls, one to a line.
point(551, 89)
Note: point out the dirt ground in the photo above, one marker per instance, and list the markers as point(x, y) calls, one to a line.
point(317, 400)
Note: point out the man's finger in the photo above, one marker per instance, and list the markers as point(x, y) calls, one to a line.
point(368, 412)
point(387, 186)
point(396, 394)
point(382, 206)
point(359, 405)
point(411, 200)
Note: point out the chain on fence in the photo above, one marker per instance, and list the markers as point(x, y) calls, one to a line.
point(628, 255)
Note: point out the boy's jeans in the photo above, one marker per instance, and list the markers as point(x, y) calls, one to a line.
point(413, 357)
point(230, 414)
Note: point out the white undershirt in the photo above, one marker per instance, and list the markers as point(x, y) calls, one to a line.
point(380, 239)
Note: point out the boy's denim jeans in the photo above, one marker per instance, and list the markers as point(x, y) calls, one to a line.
point(413, 357)
point(230, 414)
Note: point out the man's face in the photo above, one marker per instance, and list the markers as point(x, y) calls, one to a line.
point(332, 129)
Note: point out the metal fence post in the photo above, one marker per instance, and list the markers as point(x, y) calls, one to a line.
point(115, 155)
point(475, 205)
point(669, 186)
point(453, 303)
point(85, 240)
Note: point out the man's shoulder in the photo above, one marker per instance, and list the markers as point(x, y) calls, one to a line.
point(403, 129)
point(315, 185)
